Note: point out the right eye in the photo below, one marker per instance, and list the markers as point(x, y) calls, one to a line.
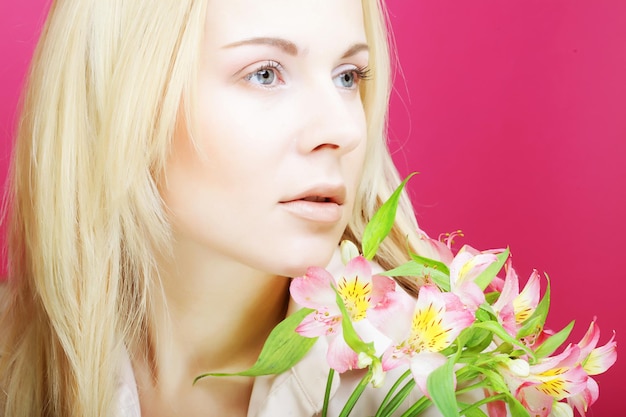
point(268, 75)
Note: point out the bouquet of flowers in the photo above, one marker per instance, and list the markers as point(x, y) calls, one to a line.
point(469, 329)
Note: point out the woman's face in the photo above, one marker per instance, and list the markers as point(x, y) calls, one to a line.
point(281, 136)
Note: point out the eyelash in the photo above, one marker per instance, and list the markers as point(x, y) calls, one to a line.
point(362, 73)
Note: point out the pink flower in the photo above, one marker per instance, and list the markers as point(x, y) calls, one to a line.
point(466, 266)
point(364, 296)
point(438, 249)
point(513, 307)
point(594, 360)
point(422, 329)
point(549, 381)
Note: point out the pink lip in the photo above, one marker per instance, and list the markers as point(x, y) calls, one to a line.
point(322, 203)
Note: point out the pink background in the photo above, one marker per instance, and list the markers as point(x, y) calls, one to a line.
point(514, 113)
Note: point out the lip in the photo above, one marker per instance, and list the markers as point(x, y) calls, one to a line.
point(320, 203)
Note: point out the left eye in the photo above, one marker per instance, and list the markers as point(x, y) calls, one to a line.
point(350, 78)
point(346, 79)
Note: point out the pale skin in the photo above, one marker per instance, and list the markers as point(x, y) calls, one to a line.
point(281, 123)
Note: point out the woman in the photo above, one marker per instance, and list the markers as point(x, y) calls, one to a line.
point(176, 161)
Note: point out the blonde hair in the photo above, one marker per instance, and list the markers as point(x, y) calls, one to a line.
point(86, 223)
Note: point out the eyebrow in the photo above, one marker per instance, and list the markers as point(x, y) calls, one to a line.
point(355, 49)
point(290, 47)
point(287, 46)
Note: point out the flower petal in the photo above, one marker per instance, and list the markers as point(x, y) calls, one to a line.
point(536, 402)
point(314, 290)
point(526, 302)
point(340, 356)
point(589, 340)
point(382, 287)
point(467, 266)
point(602, 358)
point(348, 251)
point(561, 410)
point(358, 267)
point(423, 364)
point(395, 322)
point(318, 323)
point(583, 400)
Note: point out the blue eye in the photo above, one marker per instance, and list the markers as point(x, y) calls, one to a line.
point(267, 75)
point(263, 76)
point(346, 80)
point(351, 78)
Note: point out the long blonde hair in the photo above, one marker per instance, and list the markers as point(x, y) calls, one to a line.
point(86, 222)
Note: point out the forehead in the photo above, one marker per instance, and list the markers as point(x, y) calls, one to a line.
point(304, 22)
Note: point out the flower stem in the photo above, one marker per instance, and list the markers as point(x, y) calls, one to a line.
point(329, 383)
point(397, 399)
point(354, 397)
point(388, 397)
point(472, 387)
point(485, 400)
point(417, 408)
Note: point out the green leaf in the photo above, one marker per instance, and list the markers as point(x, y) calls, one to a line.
point(485, 278)
point(480, 339)
point(440, 386)
point(497, 329)
point(431, 263)
point(485, 313)
point(381, 222)
point(495, 380)
point(437, 271)
point(534, 324)
point(349, 334)
point(283, 348)
point(491, 297)
point(416, 269)
point(553, 342)
point(472, 412)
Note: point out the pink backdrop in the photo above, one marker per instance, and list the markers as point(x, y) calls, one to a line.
point(514, 113)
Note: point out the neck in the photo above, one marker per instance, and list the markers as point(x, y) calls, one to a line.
point(214, 315)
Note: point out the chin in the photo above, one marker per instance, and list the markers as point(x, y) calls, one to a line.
point(300, 258)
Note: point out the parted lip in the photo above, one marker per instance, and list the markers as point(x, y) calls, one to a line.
point(321, 193)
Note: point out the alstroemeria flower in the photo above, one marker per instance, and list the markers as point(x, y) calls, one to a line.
point(551, 380)
point(466, 266)
point(422, 329)
point(363, 295)
point(594, 360)
point(513, 307)
point(438, 249)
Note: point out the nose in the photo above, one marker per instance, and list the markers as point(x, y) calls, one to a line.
point(334, 119)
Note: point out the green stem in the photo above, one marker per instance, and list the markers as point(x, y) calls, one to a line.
point(472, 387)
point(354, 397)
point(417, 408)
point(485, 400)
point(391, 391)
point(397, 399)
point(329, 383)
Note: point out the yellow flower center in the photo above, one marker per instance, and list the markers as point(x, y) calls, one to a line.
point(356, 297)
point(522, 311)
point(552, 385)
point(427, 332)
